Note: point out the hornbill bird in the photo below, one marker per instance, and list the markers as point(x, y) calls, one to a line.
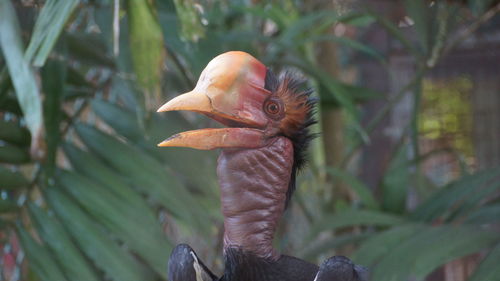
point(262, 148)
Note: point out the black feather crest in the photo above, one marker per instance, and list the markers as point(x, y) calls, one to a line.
point(295, 88)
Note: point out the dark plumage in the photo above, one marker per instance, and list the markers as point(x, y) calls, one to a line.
point(294, 88)
point(243, 266)
point(185, 265)
point(340, 268)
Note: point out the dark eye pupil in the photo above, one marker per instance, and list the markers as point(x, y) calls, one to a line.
point(273, 108)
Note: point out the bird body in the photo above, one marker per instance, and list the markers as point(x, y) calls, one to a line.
point(245, 266)
point(263, 147)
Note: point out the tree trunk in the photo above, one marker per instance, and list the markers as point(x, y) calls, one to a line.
point(332, 121)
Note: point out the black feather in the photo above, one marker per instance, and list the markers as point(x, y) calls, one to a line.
point(245, 266)
point(302, 137)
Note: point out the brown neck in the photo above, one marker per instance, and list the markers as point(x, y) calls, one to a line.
point(253, 185)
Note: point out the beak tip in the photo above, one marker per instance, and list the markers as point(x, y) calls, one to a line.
point(168, 142)
point(164, 143)
point(161, 109)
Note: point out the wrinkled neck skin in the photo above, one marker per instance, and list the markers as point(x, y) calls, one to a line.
point(253, 185)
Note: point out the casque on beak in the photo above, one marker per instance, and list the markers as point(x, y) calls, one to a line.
point(231, 91)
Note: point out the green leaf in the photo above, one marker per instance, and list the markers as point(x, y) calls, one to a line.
point(421, 253)
point(145, 173)
point(14, 133)
point(270, 12)
point(396, 32)
point(91, 167)
point(374, 248)
point(330, 88)
point(478, 7)
point(198, 167)
point(76, 85)
point(146, 45)
point(13, 154)
point(53, 77)
point(484, 215)
point(362, 191)
point(419, 12)
point(488, 269)
point(7, 102)
point(352, 44)
point(358, 46)
point(362, 94)
point(65, 252)
point(20, 71)
point(122, 121)
point(475, 199)
point(443, 200)
point(75, 78)
point(41, 261)
point(88, 49)
point(94, 242)
point(396, 181)
point(306, 24)
point(48, 26)
point(455, 243)
point(3, 224)
point(7, 206)
point(11, 105)
point(190, 20)
point(128, 222)
point(355, 218)
point(11, 179)
point(327, 245)
point(5, 81)
point(357, 19)
point(126, 93)
point(86, 164)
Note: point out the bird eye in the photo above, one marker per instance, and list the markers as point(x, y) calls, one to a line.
point(273, 108)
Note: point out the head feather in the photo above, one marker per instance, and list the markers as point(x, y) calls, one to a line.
point(299, 112)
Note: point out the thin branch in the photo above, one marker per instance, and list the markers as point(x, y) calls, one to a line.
point(302, 205)
point(72, 119)
point(116, 28)
point(473, 27)
point(443, 16)
point(383, 113)
point(179, 65)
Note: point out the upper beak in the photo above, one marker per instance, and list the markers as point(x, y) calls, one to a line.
point(231, 91)
point(191, 101)
point(224, 110)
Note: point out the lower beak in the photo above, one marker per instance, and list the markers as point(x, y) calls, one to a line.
point(208, 139)
point(240, 135)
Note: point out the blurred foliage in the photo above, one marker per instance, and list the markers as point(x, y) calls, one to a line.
point(447, 113)
point(146, 46)
point(90, 197)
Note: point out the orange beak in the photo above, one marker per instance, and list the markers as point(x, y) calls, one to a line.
point(231, 91)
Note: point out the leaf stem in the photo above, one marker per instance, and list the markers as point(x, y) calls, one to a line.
point(471, 28)
point(182, 69)
point(382, 114)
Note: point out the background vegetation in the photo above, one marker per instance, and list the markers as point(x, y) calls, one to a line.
point(89, 196)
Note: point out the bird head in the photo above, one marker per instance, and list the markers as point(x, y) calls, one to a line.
point(241, 93)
